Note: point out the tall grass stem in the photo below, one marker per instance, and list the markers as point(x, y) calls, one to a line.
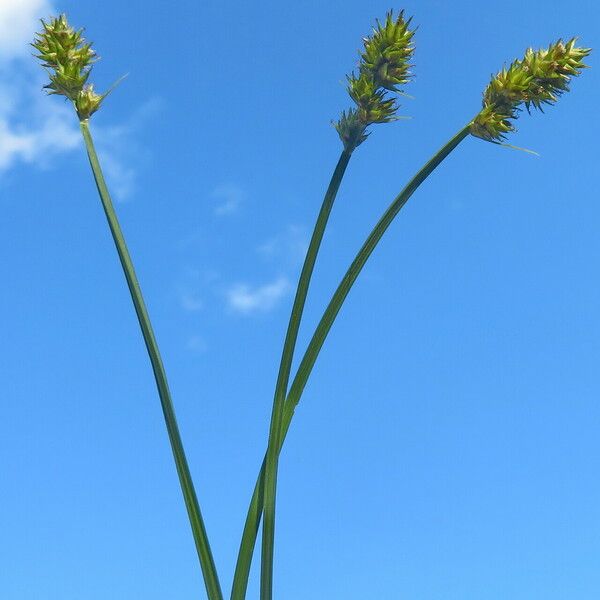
point(335, 304)
point(207, 564)
point(255, 509)
point(272, 459)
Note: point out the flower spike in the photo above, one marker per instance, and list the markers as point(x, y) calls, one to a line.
point(374, 106)
point(388, 51)
point(69, 59)
point(351, 129)
point(384, 66)
point(538, 79)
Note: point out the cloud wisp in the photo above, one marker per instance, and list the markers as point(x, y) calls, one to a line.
point(245, 299)
point(291, 244)
point(229, 198)
point(36, 130)
point(18, 22)
point(31, 131)
point(197, 344)
point(190, 302)
point(284, 251)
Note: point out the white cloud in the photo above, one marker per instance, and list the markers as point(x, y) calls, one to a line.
point(190, 302)
point(53, 133)
point(30, 131)
point(229, 197)
point(245, 299)
point(291, 244)
point(192, 284)
point(121, 177)
point(36, 129)
point(19, 20)
point(197, 343)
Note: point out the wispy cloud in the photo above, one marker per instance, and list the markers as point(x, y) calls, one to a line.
point(246, 299)
point(291, 244)
point(30, 131)
point(18, 22)
point(35, 129)
point(192, 286)
point(190, 301)
point(120, 153)
point(38, 142)
point(197, 344)
point(229, 197)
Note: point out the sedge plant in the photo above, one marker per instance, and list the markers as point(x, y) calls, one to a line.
point(384, 67)
point(537, 79)
point(69, 59)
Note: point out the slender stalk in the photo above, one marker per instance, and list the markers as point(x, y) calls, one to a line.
point(272, 458)
point(249, 535)
point(209, 571)
point(338, 298)
point(255, 509)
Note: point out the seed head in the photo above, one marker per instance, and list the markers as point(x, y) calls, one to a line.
point(374, 106)
point(384, 66)
point(351, 129)
point(69, 59)
point(539, 78)
point(388, 51)
point(88, 101)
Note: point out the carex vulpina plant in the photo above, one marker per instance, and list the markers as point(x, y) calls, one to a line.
point(384, 67)
point(538, 79)
point(552, 70)
point(69, 59)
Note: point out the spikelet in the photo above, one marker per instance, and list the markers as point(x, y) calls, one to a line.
point(69, 59)
point(384, 66)
point(538, 79)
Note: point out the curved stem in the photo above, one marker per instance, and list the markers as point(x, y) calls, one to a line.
point(255, 509)
point(242, 570)
point(337, 300)
point(209, 571)
point(272, 459)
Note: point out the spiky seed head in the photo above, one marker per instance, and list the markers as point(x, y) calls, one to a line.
point(539, 78)
point(351, 129)
point(388, 51)
point(63, 50)
point(88, 102)
point(59, 42)
point(373, 104)
point(384, 66)
point(492, 124)
point(69, 59)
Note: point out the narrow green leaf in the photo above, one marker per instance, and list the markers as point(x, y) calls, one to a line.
point(255, 509)
point(209, 570)
point(272, 458)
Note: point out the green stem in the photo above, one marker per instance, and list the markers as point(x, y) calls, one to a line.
point(255, 509)
point(338, 298)
point(272, 459)
point(200, 537)
point(253, 517)
point(244, 560)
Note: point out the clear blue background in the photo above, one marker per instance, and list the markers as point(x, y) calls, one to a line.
point(447, 446)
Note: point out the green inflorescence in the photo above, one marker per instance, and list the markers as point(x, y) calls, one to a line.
point(539, 78)
point(384, 66)
point(69, 58)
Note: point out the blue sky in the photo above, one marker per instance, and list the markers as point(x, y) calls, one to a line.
point(447, 445)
